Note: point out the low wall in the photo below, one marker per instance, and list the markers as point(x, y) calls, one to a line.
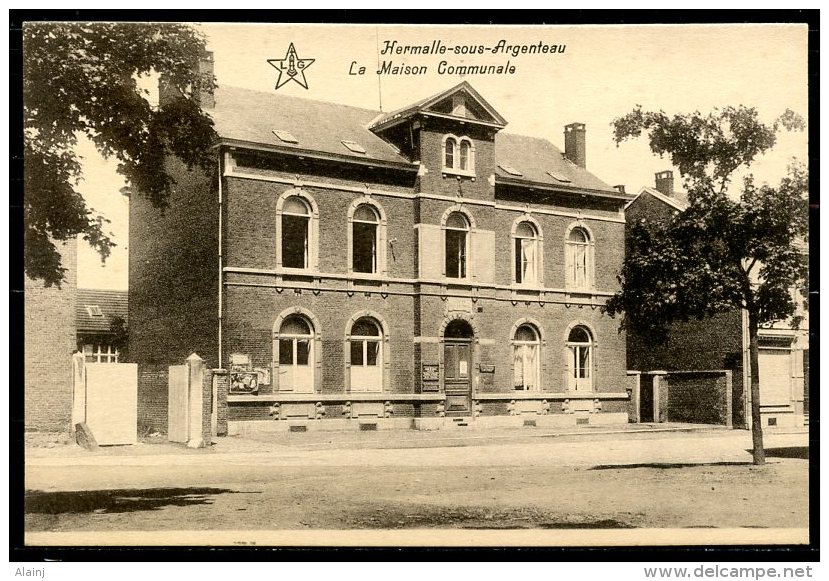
point(699, 397)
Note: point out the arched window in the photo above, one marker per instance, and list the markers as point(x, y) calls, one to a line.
point(525, 348)
point(366, 355)
point(449, 152)
point(580, 359)
point(579, 259)
point(458, 155)
point(466, 155)
point(456, 245)
point(296, 233)
point(364, 239)
point(527, 254)
point(295, 343)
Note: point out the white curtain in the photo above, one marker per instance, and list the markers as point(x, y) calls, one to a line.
point(530, 362)
point(518, 368)
point(528, 260)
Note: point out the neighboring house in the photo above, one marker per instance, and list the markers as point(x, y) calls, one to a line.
point(49, 340)
point(95, 311)
point(387, 267)
point(721, 341)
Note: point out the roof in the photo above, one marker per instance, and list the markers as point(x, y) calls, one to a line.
point(678, 201)
point(111, 303)
point(427, 102)
point(251, 117)
point(533, 157)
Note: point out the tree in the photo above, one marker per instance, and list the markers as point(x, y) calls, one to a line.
point(120, 335)
point(732, 248)
point(81, 79)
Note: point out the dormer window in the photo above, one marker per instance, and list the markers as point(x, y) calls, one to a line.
point(353, 146)
point(510, 170)
point(94, 311)
point(285, 136)
point(458, 155)
point(558, 176)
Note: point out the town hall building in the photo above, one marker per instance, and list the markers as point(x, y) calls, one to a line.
point(357, 269)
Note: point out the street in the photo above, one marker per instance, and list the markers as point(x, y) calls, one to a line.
point(493, 480)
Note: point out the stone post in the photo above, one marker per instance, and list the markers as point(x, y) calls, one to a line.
point(633, 389)
point(196, 412)
point(660, 396)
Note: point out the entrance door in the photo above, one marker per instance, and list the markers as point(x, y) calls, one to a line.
point(457, 368)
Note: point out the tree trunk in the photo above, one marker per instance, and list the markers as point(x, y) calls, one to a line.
point(758, 451)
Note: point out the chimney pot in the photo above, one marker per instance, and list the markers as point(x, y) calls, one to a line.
point(575, 143)
point(665, 182)
point(202, 94)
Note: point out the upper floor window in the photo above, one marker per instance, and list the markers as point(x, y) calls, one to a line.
point(458, 155)
point(456, 245)
point(527, 253)
point(579, 259)
point(364, 233)
point(296, 231)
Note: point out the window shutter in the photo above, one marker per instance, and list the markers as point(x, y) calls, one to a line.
point(430, 251)
point(483, 251)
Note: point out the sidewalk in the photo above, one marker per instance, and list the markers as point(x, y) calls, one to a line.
point(287, 443)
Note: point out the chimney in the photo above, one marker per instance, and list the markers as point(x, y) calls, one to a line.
point(665, 182)
point(620, 188)
point(203, 93)
point(205, 96)
point(575, 145)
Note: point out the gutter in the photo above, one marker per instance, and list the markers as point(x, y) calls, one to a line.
point(563, 189)
point(312, 154)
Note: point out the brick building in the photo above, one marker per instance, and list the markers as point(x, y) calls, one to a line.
point(721, 341)
point(95, 311)
point(402, 269)
point(49, 340)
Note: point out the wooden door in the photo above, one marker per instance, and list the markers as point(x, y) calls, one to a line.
point(457, 376)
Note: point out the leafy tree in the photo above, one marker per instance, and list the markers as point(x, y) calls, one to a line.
point(120, 335)
point(81, 79)
point(735, 246)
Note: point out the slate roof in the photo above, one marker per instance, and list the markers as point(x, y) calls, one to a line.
point(111, 302)
point(533, 157)
point(679, 200)
point(251, 117)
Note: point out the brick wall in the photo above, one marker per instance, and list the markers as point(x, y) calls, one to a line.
point(153, 392)
point(699, 397)
point(49, 328)
point(431, 157)
point(173, 294)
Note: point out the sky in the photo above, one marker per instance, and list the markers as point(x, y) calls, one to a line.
point(603, 72)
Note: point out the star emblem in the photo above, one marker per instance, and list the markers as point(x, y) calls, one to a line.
point(291, 68)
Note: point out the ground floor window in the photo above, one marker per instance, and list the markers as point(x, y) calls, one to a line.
point(525, 347)
point(295, 345)
point(100, 353)
point(580, 359)
point(366, 355)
